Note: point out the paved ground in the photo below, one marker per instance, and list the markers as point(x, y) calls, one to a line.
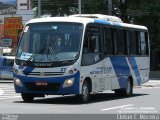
point(152, 83)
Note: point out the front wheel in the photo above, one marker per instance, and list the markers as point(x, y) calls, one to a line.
point(27, 97)
point(85, 95)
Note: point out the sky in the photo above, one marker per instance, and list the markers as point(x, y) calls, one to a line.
point(7, 1)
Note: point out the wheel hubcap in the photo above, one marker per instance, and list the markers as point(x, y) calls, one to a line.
point(128, 87)
point(85, 92)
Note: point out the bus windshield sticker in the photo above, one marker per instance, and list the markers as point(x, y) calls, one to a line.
point(25, 56)
point(96, 58)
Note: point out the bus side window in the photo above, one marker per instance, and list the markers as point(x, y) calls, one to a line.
point(139, 52)
point(85, 44)
point(91, 43)
point(120, 41)
point(87, 58)
point(147, 44)
point(143, 43)
point(94, 43)
point(1, 62)
point(132, 43)
point(108, 41)
point(92, 50)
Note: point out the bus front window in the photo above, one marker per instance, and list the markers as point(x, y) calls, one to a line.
point(50, 42)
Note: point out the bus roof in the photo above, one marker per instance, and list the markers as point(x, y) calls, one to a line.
point(85, 20)
point(100, 16)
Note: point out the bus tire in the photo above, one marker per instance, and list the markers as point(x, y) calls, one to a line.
point(85, 95)
point(125, 92)
point(27, 97)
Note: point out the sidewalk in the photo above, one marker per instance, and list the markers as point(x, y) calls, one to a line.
point(152, 83)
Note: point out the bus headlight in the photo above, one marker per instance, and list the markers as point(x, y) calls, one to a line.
point(68, 82)
point(18, 82)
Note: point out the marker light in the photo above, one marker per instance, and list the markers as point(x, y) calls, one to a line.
point(70, 71)
point(18, 82)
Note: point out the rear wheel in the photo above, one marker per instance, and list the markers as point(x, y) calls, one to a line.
point(27, 97)
point(128, 91)
point(85, 95)
point(129, 88)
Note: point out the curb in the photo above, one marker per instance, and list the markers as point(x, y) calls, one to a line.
point(152, 83)
point(149, 85)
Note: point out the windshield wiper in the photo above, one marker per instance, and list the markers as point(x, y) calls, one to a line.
point(33, 55)
point(53, 53)
point(41, 51)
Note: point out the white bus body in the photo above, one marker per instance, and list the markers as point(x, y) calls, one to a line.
point(100, 55)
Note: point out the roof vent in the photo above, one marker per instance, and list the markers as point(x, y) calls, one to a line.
point(99, 16)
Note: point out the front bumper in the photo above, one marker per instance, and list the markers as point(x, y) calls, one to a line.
point(54, 85)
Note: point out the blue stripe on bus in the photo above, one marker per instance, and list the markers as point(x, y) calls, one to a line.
point(27, 70)
point(21, 67)
point(134, 66)
point(102, 21)
point(121, 69)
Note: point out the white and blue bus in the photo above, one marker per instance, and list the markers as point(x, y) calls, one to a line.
point(80, 55)
point(6, 67)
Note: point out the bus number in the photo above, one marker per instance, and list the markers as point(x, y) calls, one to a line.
point(63, 69)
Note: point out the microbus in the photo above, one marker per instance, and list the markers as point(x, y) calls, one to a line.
point(80, 55)
point(6, 67)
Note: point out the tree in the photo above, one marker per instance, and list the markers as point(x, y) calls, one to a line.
point(69, 7)
point(94, 6)
point(143, 12)
point(147, 13)
point(57, 7)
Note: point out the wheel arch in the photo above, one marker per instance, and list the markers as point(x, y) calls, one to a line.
point(131, 79)
point(88, 79)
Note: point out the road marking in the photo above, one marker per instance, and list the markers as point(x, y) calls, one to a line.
point(117, 107)
point(7, 92)
point(10, 97)
point(1, 92)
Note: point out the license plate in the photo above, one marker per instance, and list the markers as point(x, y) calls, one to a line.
point(41, 83)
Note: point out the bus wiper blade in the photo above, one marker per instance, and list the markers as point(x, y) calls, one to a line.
point(54, 54)
point(31, 57)
point(68, 61)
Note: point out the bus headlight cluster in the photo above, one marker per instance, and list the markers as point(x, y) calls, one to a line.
point(18, 82)
point(68, 82)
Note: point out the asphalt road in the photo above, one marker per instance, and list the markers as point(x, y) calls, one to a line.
point(145, 100)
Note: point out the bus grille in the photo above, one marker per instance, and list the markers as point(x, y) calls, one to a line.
point(49, 87)
point(44, 73)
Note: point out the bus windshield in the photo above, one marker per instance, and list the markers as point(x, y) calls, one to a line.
point(50, 42)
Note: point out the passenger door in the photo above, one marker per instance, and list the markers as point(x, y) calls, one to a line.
point(92, 57)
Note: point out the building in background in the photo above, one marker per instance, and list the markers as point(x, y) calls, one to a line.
point(24, 9)
point(10, 11)
point(24, 5)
